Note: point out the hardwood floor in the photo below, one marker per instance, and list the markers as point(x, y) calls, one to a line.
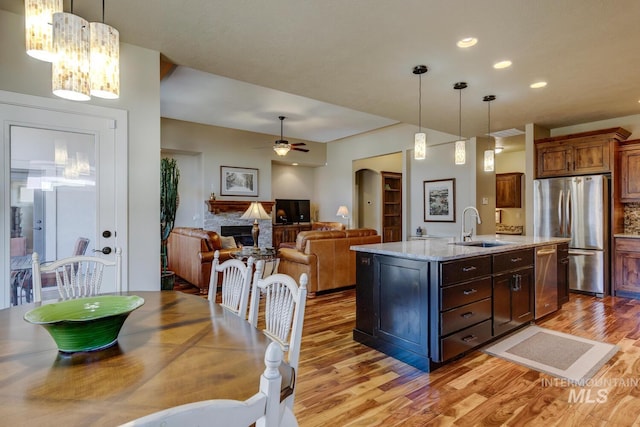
point(344, 383)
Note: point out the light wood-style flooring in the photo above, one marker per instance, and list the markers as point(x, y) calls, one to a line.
point(344, 383)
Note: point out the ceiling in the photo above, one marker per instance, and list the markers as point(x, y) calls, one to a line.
point(352, 61)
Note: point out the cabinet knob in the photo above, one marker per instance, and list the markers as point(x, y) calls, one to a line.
point(467, 315)
point(469, 291)
point(467, 269)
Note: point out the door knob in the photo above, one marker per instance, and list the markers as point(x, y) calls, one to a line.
point(106, 250)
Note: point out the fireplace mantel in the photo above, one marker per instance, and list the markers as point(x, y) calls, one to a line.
point(218, 206)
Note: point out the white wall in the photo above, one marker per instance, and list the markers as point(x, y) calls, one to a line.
point(140, 97)
point(331, 186)
point(190, 190)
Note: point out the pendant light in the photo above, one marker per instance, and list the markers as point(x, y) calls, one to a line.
point(420, 139)
point(70, 68)
point(460, 154)
point(489, 155)
point(105, 60)
point(38, 19)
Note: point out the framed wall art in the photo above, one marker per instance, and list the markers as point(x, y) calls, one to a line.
point(236, 181)
point(440, 200)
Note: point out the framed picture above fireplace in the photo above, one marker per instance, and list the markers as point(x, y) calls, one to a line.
point(236, 181)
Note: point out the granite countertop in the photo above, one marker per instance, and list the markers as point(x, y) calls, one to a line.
point(443, 249)
point(628, 235)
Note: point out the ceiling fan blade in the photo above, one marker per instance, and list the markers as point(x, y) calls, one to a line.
point(298, 144)
point(304, 150)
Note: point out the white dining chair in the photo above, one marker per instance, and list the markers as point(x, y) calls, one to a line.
point(284, 305)
point(236, 283)
point(75, 276)
point(263, 408)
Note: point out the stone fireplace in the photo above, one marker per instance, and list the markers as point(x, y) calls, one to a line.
point(223, 213)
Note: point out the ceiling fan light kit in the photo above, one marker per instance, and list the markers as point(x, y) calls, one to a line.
point(282, 146)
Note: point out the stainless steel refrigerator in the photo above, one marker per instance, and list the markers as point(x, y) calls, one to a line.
point(577, 207)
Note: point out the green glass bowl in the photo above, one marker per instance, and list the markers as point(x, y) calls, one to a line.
point(85, 324)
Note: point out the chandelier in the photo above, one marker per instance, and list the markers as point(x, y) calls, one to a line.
point(85, 57)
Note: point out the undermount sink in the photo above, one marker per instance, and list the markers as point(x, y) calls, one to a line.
point(481, 243)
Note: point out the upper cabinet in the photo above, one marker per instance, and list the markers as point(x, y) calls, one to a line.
point(579, 153)
point(630, 171)
point(509, 190)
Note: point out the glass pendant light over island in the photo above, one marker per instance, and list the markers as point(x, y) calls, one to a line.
point(460, 153)
point(489, 154)
point(420, 139)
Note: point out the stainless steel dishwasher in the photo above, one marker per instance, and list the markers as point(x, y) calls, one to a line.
point(546, 293)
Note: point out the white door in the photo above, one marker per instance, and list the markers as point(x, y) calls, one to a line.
point(63, 187)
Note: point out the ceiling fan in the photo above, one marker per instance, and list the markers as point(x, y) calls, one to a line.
point(282, 146)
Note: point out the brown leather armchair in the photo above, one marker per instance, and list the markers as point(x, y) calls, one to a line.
point(190, 254)
point(325, 257)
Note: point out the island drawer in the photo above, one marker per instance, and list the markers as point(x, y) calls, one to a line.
point(464, 269)
point(467, 315)
point(465, 340)
point(512, 260)
point(465, 293)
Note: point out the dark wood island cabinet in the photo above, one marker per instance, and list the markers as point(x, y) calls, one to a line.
point(427, 312)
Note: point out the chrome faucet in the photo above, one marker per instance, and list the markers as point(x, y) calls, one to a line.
point(466, 235)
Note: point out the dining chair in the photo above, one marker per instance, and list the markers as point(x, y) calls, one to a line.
point(262, 408)
point(236, 283)
point(75, 276)
point(284, 304)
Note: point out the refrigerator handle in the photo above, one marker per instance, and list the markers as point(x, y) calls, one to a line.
point(560, 214)
point(568, 217)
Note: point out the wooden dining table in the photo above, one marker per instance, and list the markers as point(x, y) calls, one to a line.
point(177, 348)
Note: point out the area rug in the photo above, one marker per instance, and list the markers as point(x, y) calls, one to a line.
point(555, 353)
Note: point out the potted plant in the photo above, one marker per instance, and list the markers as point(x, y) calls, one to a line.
point(169, 177)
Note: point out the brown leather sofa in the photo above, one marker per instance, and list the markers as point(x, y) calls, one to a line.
point(325, 257)
point(190, 254)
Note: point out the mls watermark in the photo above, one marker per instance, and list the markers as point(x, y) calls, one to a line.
point(590, 391)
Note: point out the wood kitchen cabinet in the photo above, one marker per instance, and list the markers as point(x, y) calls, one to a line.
point(391, 207)
point(626, 267)
point(464, 313)
point(629, 155)
point(509, 190)
point(513, 286)
point(578, 154)
point(563, 273)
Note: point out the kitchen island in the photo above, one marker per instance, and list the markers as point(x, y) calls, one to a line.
point(427, 302)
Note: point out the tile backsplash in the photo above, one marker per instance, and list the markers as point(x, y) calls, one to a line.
point(632, 218)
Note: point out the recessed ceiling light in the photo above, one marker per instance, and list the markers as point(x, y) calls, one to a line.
point(467, 42)
point(537, 85)
point(294, 164)
point(502, 64)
